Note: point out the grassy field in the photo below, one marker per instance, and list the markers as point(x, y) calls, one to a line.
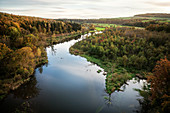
point(101, 27)
point(151, 18)
point(167, 20)
point(105, 25)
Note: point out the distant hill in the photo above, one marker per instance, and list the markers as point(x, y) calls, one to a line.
point(160, 15)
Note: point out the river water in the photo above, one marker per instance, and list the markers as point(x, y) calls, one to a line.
point(71, 84)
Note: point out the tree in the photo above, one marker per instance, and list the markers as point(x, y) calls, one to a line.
point(125, 60)
point(39, 28)
point(13, 33)
point(38, 52)
point(160, 85)
point(83, 29)
point(34, 30)
point(91, 27)
point(100, 51)
point(4, 50)
point(20, 62)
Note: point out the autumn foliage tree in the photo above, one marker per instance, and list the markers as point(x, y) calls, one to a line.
point(160, 85)
point(22, 42)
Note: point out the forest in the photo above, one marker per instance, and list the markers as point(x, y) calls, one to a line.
point(22, 42)
point(126, 47)
point(125, 52)
point(161, 15)
point(152, 21)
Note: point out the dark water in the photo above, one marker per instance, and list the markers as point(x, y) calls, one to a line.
point(71, 84)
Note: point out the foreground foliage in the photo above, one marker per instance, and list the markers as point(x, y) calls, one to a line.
point(156, 98)
point(160, 86)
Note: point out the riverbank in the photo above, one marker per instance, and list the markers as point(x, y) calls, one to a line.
point(116, 75)
point(9, 84)
point(73, 79)
point(63, 38)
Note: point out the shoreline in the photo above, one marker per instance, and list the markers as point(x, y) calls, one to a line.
point(13, 85)
point(116, 76)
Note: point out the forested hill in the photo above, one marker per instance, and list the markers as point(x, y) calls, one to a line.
point(18, 26)
point(161, 21)
point(151, 21)
point(160, 15)
point(22, 42)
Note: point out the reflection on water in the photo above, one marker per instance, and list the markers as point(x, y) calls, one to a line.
point(28, 90)
point(53, 50)
point(71, 84)
point(40, 69)
point(16, 98)
point(124, 100)
point(144, 92)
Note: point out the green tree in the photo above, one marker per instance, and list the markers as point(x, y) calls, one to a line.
point(13, 33)
point(125, 60)
point(91, 27)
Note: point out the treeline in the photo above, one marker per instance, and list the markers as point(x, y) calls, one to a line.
point(13, 27)
point(132, 21)
point(22, 42)
point(159, 23)
point(159, 27)
point(151, 25)
point(161, 15)
point(119, 21)
point(140, 23)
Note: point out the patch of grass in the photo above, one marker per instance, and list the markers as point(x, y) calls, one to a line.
point(91, 31)
point(99, 28)
point(100, 25)
point(146, 20)
point(105, 25)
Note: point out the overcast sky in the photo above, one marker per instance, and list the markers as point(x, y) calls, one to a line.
point(84, 8)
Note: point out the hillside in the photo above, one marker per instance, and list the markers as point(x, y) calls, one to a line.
point(22, 42)
point(160, 15)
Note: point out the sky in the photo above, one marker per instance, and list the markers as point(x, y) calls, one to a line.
point(83, 8)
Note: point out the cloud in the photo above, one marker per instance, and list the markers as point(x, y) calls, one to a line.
point(58, 11)
point(83, 8)
point(162, 4)
point(57, 7)
point(15, 10)
point(21, 2)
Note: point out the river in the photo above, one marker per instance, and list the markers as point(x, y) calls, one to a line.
point(71, 84)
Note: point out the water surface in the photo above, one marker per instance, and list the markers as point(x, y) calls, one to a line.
point(71, 84)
